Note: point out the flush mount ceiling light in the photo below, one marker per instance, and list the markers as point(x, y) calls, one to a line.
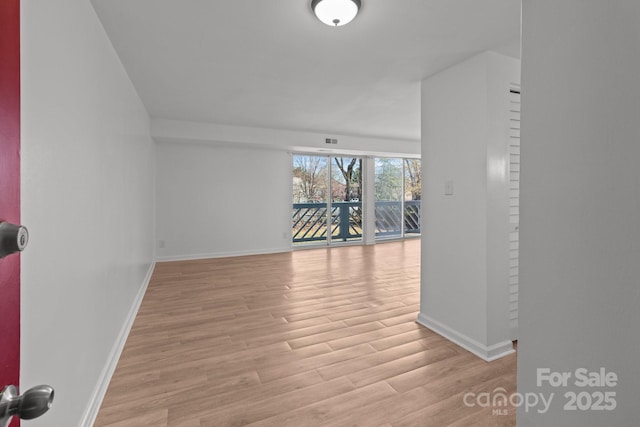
point(335, 12)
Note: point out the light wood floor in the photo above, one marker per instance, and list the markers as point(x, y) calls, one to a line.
point(322, 337)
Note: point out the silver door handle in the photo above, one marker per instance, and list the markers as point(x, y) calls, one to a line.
point(31, 404)
point(13, 238)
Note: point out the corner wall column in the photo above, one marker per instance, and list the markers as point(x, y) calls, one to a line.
point(465, 244)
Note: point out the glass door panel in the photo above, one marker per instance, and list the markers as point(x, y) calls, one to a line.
point(310, 199)
point(412, 196)
point(389, 193)
point(346, 199)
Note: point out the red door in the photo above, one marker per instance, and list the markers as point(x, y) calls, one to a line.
point(10, 189)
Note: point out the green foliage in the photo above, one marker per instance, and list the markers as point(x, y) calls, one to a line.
point(413, 178)
point(388, 175)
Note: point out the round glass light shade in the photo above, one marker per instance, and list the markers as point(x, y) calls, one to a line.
point(335, 12)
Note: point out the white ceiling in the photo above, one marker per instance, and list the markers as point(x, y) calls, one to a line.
point(271, 63)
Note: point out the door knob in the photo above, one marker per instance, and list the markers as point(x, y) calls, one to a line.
point(31, 404)
point(13, 238)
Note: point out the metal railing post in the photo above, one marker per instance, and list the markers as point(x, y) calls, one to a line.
point(344, 221)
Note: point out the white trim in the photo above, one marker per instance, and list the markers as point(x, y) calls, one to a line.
point(488, 354)
point(90, 414)
point(193, 257)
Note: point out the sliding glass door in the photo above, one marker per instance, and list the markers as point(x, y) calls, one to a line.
point(346, 199)
point(310, 199)
point(327, 199)
point(412, 196)
point(389, 194)
point(398, 187)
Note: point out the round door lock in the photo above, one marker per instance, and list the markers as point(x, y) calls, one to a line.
point(23, 238)
point(13, 238)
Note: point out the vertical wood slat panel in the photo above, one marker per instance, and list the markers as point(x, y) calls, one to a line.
point(514, 205)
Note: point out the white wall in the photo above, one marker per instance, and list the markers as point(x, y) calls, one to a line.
point(580, 199)
point(87, 199)
point(217, 200)
point(464, 291)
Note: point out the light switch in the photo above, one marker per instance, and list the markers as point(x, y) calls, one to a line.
point(448, 188)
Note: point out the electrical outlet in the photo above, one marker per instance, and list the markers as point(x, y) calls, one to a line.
point(161, 244)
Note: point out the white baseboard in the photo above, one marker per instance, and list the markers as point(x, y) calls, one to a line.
point(90, 414)
point(193, 257)
point(487, 353)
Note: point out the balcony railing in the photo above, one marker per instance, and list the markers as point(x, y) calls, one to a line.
point(388, 218)
point(310, 220)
